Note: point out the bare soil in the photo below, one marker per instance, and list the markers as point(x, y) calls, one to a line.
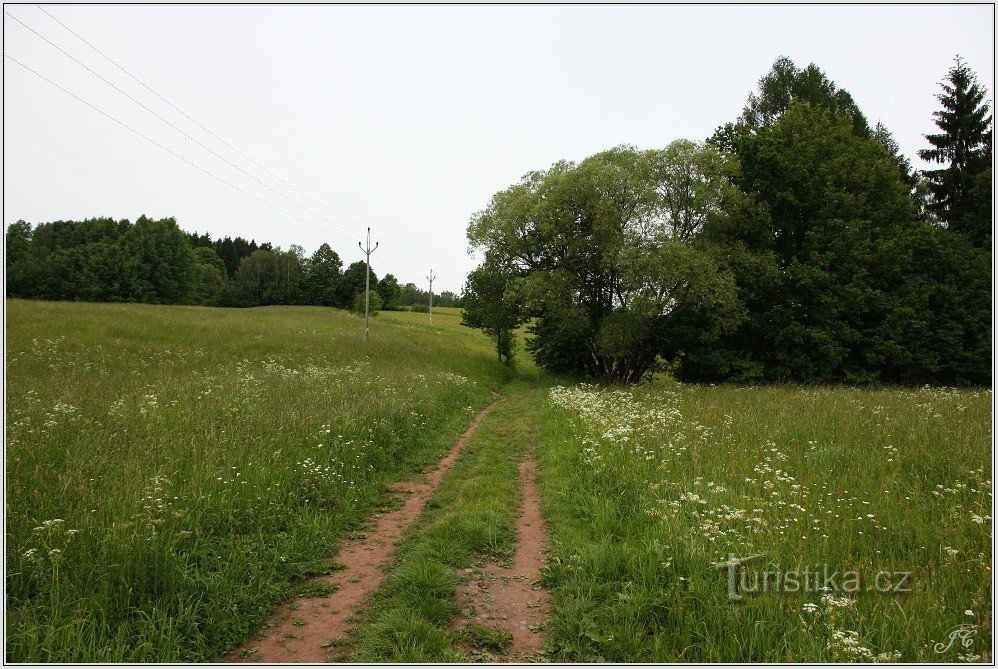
point(301, 630)
point(511, 597)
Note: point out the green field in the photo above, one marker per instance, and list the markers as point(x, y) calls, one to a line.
point(648, 489)
point(174, 472)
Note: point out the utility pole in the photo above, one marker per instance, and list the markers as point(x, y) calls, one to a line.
point(431, 278)
point(367, 285)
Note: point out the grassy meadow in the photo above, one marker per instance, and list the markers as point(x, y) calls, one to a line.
point(646, 490)
point(173, 473)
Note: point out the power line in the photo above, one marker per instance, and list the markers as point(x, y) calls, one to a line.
point(413, 267)
point(175, 127)
point(402, 275)
point(170, 151)
point(205, 129)
point(194, 120)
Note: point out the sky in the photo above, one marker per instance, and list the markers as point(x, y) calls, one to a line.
point(409, 119)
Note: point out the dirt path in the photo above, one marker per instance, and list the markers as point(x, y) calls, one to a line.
point(511, 597)
point(300, 630)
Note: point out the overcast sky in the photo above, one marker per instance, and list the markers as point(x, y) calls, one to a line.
point(408, 119)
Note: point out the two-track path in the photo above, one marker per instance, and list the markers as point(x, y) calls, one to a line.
point(511, 597)
point(297, 631)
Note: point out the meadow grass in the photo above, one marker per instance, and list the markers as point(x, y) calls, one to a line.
point(646, 490)
point(468, 520)
point(174, 472)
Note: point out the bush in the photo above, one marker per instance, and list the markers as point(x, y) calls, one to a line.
point(358, 302)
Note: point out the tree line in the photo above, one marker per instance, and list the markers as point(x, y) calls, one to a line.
point(154, 261)
point(795, 244)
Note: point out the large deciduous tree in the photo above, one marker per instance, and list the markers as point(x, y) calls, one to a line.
point(605, 254)
point(320, 284)
point(390, 292)
point(354, 282)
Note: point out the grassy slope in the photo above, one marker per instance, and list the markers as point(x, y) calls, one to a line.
point(652, 487)
point(207, 460)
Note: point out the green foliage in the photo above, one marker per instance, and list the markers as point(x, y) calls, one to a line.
point(376, 303)
point(491, 306)
point(352, 283)
point(786, 84)
point(841, 278)
point(211, 279)
point(390, 292)
point(961, 189)
point(102, 260)
point(320, 284)
point(606, 253)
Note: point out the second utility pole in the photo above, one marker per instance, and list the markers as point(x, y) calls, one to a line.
point(367, 285)
point(431, 278)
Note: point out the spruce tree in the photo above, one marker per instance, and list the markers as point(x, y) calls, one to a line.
point(961, 188)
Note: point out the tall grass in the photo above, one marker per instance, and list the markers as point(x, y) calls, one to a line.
point(173, 471)
point(646, 490)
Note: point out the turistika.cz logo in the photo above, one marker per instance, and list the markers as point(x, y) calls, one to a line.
point(743, 581)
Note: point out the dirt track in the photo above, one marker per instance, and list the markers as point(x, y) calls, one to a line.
point(511, 597)
point(298, 629)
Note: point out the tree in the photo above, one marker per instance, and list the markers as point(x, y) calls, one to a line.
point(841, 276)
point(212, 276)
point(786, 84)
point(18, 242)
point(447, 298)
point(390, 292)
point(491, 305)
point(322, 277)
point(253, 280)
point(413, 296)
point(353, 281)
point(821, 200)
point(359, 303)
point(165, 269)
point(961, 189)
point(884, 137)
point(285, 287)
point(604, 255)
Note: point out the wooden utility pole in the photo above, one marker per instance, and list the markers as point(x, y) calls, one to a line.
point(367, 285)
point(431, 278)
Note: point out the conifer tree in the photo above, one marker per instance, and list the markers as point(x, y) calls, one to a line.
point(961, 187)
